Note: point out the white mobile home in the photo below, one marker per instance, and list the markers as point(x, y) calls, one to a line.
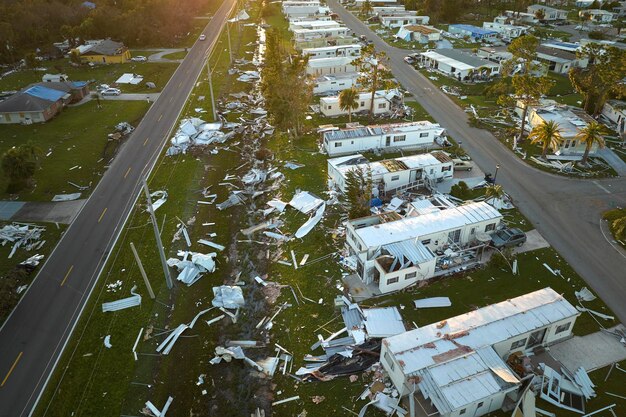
point(520, 17)
point(330, 66)
point(323, 42)
point(549, 13)
point(457, 366)
point(615, 112)
point(333, 84)
point(353, 50)
point(559, 60)
point(391, 10)
point(314, 24)
point(570, 121)
point(399, 21)
point(411, 135)
point(418, 33)
point(329, 106)
point(597, 15)
point(473, 32)
point(304, 9)
point(311, 34)
point(392, 175)
point(458, 64)
point(506, 31)
point(394, 252)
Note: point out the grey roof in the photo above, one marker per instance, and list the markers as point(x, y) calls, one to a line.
point(464, 57)
point(556, 53)
point(22, 102)
point(352, 133)
point(106, 47)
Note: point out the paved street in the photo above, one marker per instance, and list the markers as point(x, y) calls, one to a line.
point(567, 212)
point(33, 338)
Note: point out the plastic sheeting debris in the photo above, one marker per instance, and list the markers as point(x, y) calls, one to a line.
point(228, 297)
point(161, 199)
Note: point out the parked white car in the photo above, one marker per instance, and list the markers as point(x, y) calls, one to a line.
point(139, 58)
point(202, 37)
point(111, 92)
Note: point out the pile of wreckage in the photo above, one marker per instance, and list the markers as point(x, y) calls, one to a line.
point(196, 132)
point(22, 235)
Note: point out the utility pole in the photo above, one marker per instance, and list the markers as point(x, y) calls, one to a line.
point(230, 48)
point(208, 70)
point(157, 236)
point(143, 271)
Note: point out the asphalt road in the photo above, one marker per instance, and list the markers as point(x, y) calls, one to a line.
point(33, 338)
point(567, 212)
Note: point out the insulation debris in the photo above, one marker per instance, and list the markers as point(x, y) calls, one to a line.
point(228, 297)
point(21, 235)
point(133, 301)
point(311, 223)
point(107, 342)
point(190, 271)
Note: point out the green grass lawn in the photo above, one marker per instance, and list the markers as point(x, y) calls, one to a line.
point(76, 137)
point(176, 55)
point(51, 235)
point(158, 73)
point(92, 380)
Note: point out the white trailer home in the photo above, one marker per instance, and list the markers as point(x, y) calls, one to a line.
point(549, 13)
point(335, 83)
point(615, 112)
point(330, 66)
point(297, 9)
point(329, 106)
point(399, 21)
point(569, 119)
point(353, 50)
point(392, 175)
point(410, 135)
point(313, 24)
point(303, 35)
point(459, 64)
point(394, 252)
point(506, 31)
point(457, 367)
point(418, 33)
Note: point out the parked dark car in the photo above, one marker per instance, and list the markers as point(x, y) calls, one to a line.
point(507, 238)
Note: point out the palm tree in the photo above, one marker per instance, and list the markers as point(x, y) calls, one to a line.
point(548, 134)
point(348, 101)
point(590, 135)
point(494, 191)
point(366, 8)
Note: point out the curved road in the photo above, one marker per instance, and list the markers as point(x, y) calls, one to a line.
point(567, 212)
point(33, 337)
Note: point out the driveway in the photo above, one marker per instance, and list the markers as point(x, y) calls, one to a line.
point(40, 211)
point(133, 97)
point(566, 212)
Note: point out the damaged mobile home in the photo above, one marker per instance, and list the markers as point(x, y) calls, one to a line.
point(388, 137)
point(392, 176)
point(433, 239)
point(457, 367)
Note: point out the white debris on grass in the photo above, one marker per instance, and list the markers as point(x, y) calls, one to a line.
point(21, 235)
point(190, 271)
point(107, 342)
point(228, 297)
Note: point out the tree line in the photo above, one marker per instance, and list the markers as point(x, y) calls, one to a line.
point(31, 24)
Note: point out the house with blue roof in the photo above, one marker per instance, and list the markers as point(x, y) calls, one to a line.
point(474, 32)
point(40, 102)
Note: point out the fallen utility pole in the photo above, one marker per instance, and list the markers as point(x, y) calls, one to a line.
point(157, 236)
point(208, 71)
point(143, 272)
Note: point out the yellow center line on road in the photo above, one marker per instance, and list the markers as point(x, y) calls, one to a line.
point(12, 369)
point(102, 215)
point(69, 271)
point(145, 141)
point(127, 172)
point(160, 117)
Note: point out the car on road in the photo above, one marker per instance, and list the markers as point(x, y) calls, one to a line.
point(139, 58)
point(202, 37)
point(409, 60)
point(111, 92)
point(461, 165)
point(507, 238)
